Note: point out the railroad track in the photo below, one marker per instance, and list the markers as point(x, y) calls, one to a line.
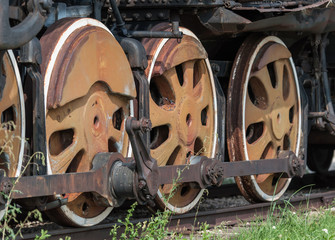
point(187, 221)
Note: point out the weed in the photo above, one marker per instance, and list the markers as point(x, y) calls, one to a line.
point(11, 210)
point(44, 235)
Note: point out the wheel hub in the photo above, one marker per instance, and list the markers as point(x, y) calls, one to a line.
point(96, 117)
point(187, 121)
point(278, 116)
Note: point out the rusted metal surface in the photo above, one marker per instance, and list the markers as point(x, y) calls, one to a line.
point(102, 180)
point(147, 169)
point(89, 54)
point(210, 172)
point(230, 216)
point(263, 112)
point(176, 52)
point(89, 84)
point(96, 180)
point(282, 6)
point(316, 20)
point(221, 21)
point(12, 116)
point(262, 6)
point(13, 37)
point(182, 107)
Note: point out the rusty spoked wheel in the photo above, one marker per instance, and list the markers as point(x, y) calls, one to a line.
point(182, 111)
point(12, 131)
point(264, 113)
point(87, 98)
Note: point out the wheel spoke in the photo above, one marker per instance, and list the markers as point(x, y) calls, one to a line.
point(165, 150)
point(7, 138)
point(111, 106)
point(204, 134)
point(172, 77)
point(66, 117)
point(256, 149)
point(61, 162)
point(161, 115)
point(291, 98)
point(9, 97)
point(260, 178)
point(114, 133)
point(203, 93)
point(264, 76)
point(9, 134)
point(291, 133)
point(289, 86)
point(184, 155)
point(279, 71)
point(253, 114)
point(188, 68)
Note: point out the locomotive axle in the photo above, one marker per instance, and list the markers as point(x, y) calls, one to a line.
point(115, 178)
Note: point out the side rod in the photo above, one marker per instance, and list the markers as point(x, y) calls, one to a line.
point(205, 171)
point(208, 172)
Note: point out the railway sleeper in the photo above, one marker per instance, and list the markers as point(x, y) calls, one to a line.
point(114, 178)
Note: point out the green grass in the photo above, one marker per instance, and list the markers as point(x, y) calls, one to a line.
point(289, 224)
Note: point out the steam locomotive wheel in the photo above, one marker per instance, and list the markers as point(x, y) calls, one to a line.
point(263, 112)
point(84, 114)
point(12, 131)
point(182, 111)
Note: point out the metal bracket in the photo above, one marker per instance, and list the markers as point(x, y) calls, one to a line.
point(121, 29)
point(175, 33)
point(146, 166)
point(327, 116)
point(13, 37)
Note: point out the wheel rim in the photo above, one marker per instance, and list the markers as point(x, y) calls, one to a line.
point(182, 111)
point(12, 132)
point(81, 123)
point(270, 116)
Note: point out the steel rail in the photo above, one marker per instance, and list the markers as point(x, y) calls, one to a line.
point(189, 221)
point(315, 180)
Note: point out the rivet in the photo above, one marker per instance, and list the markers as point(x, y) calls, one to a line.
point(148, 15)
point(161, 15)
point(136, 16)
